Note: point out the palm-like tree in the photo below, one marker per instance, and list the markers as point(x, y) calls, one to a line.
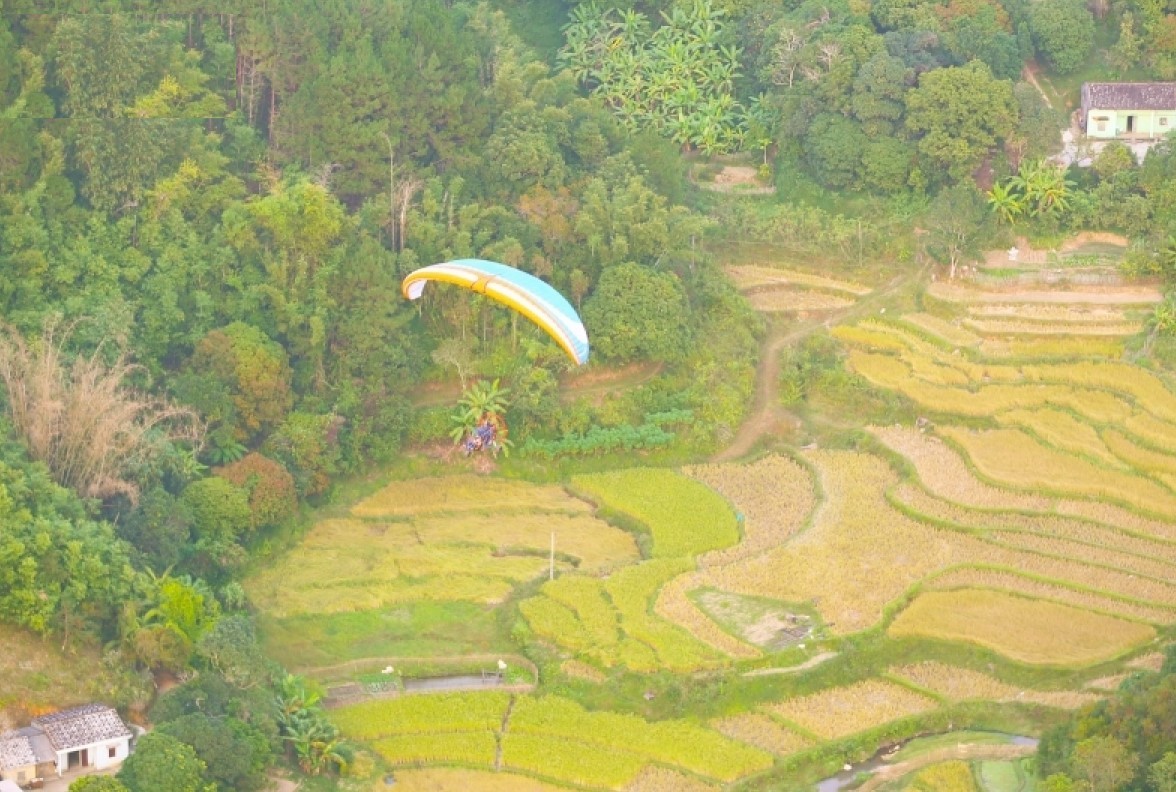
point(480, 399)
point(1006, 202)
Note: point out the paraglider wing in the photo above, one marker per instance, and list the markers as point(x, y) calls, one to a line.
point(519, 290)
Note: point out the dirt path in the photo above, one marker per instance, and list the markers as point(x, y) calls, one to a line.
point(812, 662)
point(765, 412)
point(1031, 77)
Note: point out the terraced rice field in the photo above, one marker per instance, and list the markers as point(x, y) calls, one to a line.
point(750, 276)
point(1031, 519)
point(1026, 630)
point(964, 684)
point(461, 553)
point(551, 737)
point(838, 712)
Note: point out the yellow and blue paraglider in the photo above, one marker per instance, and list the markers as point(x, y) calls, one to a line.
point(524, 293)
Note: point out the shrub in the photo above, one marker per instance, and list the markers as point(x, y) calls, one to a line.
point(272, 495)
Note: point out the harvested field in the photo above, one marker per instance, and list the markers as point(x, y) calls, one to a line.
point(358, 564)
point(1011, 582)
point(1025, 630)
point(1076, 314)
point(465, 493)
point(1001, 327)
point(774, 494)
point(661, 779)
point(891, 373)
point(1148, 662)
point(945, 474)
point(950, 332)
point(762, 732)
point(858, 555)
point(1063, 430)
point(915, 498)
point(774, 300)
point(838, 712)
point(453, 779)
point(1014, 459)
point(580, 670)
point(1123, 295)
point(1105, 347)
point(750, 276)
point(963, 684)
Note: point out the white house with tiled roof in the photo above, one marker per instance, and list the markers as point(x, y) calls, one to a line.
point(1131, 110)
point(90, 736)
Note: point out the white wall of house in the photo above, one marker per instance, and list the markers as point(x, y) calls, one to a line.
point(99, 755)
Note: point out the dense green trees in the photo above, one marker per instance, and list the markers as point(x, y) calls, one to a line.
point(161, 763)
point(1123, 742)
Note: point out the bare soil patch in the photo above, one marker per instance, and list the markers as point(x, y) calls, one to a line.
point(742, 179)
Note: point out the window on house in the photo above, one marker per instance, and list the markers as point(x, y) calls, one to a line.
point(112, 752)
point(21, 776)
point(1163, 121)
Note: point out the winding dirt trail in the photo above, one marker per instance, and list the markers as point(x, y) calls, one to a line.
point(766, 412)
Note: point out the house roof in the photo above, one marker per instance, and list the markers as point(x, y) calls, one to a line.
point(16, 751)
point(1129, 96)
point(74, 728)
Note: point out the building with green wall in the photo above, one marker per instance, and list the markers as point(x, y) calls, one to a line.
point(1128, 110)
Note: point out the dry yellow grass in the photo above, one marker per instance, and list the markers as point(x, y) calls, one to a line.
point(974, 577)
point(1107, 684)
point(1026, 630)
point(838, 712)
point(785, 299)
point(452, 779)
point(1014, 459)
point(963, 684)
point(465, 493)
point(948, 331)
point(762, 732)
point(1063, 430)
point(1148, 662)
point(581, 670)
point(1067, 329)
point(662, 779)
point(748, 276)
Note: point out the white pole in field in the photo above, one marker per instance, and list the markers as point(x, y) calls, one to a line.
point(551, 570)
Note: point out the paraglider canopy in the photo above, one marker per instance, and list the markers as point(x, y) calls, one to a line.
point(519, 290)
